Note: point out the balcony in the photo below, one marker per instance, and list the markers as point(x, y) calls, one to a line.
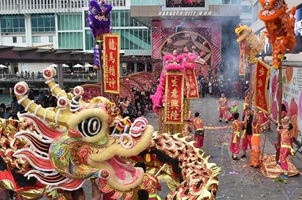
point(49, 6)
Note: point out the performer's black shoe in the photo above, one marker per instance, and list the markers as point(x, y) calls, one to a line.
point(236, 158)
point(243, 156)
point(226, 122)
point(220, 120)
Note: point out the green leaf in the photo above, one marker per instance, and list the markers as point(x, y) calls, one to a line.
point(283, 80)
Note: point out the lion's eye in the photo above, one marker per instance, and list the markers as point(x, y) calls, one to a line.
point(90, 127)
point(276, 4)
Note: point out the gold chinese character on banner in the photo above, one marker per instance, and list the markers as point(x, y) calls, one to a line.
point(174, 103)
point(174, 82)
point(261, 103)
point(174, 93)
point(261, 71)
point(111, 57)
point(111, 82)
point(193, 92)
point(259, 82)
point(174, 115)
point(189, 71)
point(259, 94)
point(111, 70)
point(111, 44)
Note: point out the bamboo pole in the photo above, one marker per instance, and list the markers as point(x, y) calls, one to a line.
point(160, 120)
point(280, 110)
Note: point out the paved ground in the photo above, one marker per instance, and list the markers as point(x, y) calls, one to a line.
point(243, 182)
point(249, 183)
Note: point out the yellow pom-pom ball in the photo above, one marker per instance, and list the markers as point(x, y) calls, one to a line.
point(280, 56)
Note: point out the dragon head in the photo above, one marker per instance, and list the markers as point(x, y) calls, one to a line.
point(242, 32)
point(72, 141)
point(271, 9)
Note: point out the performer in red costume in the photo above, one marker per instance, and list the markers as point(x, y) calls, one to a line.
point(286, 147)
point(223, 108)
point(149, 183)
point(236, 136)
point(255, 141)
point(247, 132)
point(199, 130)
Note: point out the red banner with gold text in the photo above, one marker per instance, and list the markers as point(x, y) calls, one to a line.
point(111, 63)
point(191, 83)
point(174, 96)
point(262, 74)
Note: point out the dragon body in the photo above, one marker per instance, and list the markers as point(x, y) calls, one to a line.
point(280, 26)
point(187, 173)
point(249, 43)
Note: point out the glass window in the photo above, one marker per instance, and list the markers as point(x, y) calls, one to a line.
point(14, 39)
point(36, 39)
point(50, 39)
point(255, 11)
point(12, 23)
point(23, 39)
point(70, 40)
point(246, 9)
point(70, 22)
point(43, 23)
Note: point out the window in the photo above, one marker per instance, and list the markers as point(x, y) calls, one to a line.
point(70, 22)
point(12, 24)
point(43, 23)
point(50, 39)
point(256, 9)
point(23, 39)
point(70, 40)
point(246, 9)
point(36, 39)
point(14, 39)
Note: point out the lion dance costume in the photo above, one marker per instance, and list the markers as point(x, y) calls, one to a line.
point(280, 26)
point(99, 23)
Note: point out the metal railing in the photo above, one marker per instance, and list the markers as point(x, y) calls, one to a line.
point(39, 77)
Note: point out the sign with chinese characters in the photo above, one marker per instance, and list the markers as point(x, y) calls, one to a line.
point(262, 74)
point(191, 83)
point(111, 63)
point(185, 13)
point(174, 95)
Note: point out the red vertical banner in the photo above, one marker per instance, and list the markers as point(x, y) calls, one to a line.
point(111, 63)
point(262, 74)
point(191, 84)
point(174, 97)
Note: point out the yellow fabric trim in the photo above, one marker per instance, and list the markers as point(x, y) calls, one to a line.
point(154, 196)
point(243, 134)
point(237, 134)
point(199, 129)
point(256, 134)
point(292, 151)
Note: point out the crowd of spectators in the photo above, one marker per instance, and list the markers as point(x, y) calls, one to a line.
point(139, 105)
